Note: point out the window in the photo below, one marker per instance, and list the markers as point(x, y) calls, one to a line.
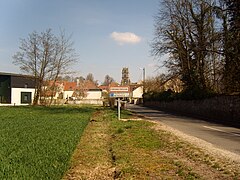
point(26, 97)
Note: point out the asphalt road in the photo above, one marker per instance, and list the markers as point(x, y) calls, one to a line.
point(227, 138)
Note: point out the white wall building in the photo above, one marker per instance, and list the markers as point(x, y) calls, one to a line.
point(16, 89)
point(94, 94)
point(22, 96)
point(136, 95)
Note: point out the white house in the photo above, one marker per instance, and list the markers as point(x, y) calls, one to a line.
point(85, 92)
point(136, 94)
point(68, 89)
point(16, 89)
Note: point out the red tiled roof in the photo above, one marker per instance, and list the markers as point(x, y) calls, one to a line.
point(104, 87)
point(69, 86)
point(50, 83)
point(134, 86)
point(113, 84)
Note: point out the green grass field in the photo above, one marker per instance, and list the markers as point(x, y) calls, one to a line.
point(38, 142)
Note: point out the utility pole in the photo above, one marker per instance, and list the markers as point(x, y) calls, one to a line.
point(119, 109)
point(143, 83)
point(144, 74)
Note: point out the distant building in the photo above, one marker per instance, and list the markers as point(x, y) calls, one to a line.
point(84, 92)
point(125, 77)
point(136, 94)
point(87, 90)
point(16, 89)
point(106, 88)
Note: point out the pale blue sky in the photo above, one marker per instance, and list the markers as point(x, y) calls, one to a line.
point(108, 34)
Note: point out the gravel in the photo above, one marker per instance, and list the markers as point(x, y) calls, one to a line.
point(228, 159)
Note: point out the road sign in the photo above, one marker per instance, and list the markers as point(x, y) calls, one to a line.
point(119, 92)
point(119, 89)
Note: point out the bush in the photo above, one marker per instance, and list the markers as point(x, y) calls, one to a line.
point(188, 94)
point(196, 94)
point(159, 96)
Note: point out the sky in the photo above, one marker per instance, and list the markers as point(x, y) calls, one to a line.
point(107, 34)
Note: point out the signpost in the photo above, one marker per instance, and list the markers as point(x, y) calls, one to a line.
point(119, 109)
point(119, 92)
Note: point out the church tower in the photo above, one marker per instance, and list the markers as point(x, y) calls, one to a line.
point(125, 77)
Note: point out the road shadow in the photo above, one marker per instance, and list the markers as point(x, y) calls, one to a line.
point(164, 113)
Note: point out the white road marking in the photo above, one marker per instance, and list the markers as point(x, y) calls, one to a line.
point(215, 129)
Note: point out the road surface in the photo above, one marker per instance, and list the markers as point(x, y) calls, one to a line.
point(227, 138)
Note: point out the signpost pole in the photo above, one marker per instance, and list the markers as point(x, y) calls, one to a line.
point(119, 92)
point(119, 109)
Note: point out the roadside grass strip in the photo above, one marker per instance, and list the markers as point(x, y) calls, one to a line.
point(142, 150)
point(113, 149)
point(38, 142)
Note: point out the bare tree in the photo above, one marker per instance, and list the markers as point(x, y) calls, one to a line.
point(162, 83)
point(108, 80)
point(184, 29)
point(90, 78)
point(45, 56)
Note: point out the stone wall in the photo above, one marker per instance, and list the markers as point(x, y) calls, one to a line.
point(222, 109)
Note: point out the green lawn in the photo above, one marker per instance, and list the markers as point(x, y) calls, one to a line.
point(37, 142)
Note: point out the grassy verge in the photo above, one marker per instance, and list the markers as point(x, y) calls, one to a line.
point(37, 142)
point(112, 149)
point(92, 159)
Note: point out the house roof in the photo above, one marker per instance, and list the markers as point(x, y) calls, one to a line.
point(106, 88)
point(14, 74)
point(69, 86)
point(134, 86)
point(86, 85)
point(50, 83)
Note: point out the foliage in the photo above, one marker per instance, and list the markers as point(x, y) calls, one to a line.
point(159, 96)
point(37, 142)
point(187, 94)
point(195, 94)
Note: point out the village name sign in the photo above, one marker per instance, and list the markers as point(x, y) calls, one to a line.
point(119, 92)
